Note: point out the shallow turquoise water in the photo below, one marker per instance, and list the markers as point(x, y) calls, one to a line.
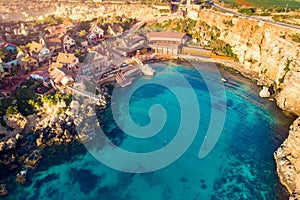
point(240, 166)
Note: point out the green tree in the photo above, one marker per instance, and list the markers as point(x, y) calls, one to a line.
point(35, 104)
point(82, 33)
point(2, 54)
point(68, 99)
point(12, 110)
point(58, 97)
point(23, 48)
point(247, 11)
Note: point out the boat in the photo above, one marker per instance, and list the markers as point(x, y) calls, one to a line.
point(224, 80)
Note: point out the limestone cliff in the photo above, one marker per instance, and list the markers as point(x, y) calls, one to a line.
point(75, 11)
point(288, 161)
point(263, 48)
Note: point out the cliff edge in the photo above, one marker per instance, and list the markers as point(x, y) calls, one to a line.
point(288, 161)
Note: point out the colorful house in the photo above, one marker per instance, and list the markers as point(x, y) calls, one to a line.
point(39, 51)
point(54, 44)
point(68, 43)
point(67, 59)
point(10, 58)
point(96, 34)
point(61, 78)
point(9, 47)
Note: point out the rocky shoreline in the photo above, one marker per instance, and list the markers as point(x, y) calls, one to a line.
point(287, 156)
point(266, 53)
point(22, 152)
point(19, 153)
point(288, 161)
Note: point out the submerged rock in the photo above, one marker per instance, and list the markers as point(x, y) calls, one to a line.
point(21, 178)
point(3, 190)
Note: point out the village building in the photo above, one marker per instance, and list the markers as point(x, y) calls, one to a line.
point(54, 44)
point(96, 34)
point(60, 78)
point(67, 59)
point(39, 51)
point(8, 86)
point(43, 90)
point(92, 62)
point(40, 75)
point(10, 58)
point(106, 56)
point(68, 43)
point(22, 30)
point(57, 30)
point(166, 42)
point(56, 65)
point(129, 46)
point(9, 47)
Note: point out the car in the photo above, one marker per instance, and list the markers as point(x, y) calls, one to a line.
point(124, 65)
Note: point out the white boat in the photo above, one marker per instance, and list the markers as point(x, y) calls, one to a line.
point(224, 80)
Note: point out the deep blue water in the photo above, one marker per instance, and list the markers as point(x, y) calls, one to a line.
point(240, 166)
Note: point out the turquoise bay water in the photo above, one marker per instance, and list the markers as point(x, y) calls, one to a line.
point(240, 166)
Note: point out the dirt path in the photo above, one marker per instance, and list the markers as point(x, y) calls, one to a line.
point(244, 3)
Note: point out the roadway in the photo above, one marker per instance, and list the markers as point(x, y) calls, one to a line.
point(253, 17)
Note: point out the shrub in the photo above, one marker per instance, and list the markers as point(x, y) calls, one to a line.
point(225, 51)
point(12, 110)
point(280, 80)
point(247, 11)
point(295, 37)
point(82, 33)
point(164, 10)
point(228, 23)
point(68, 99)
point(265, 14)
point(279, 9)
point(287, 66)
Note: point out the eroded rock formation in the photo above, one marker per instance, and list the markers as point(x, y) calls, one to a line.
point(288, 161)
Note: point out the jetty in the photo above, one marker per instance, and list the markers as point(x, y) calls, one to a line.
point(146, 69)
point(98, 99)
point(121, 80)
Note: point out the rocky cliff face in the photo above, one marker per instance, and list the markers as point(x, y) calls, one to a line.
point(266, 49)
point(269, 50)
point(75, 11)
point(288, 161)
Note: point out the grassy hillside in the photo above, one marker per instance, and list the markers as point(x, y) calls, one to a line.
point(267, 3)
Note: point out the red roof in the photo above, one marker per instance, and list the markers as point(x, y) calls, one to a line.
point(8, 44)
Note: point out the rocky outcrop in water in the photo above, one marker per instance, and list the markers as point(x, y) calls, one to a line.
point(288, 161)
point(264, 92)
